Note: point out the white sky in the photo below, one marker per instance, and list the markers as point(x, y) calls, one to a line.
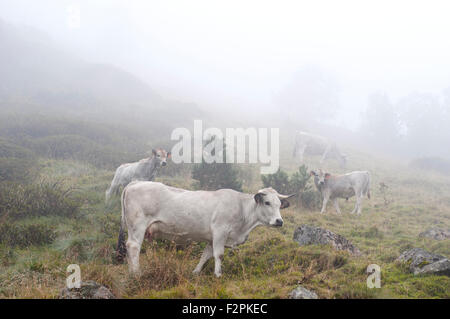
point(240, 53)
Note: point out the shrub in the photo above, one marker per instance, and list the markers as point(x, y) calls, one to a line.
point(26, 235)
point(278, 181)
point(42, 199)
point(297, 183)
point(17, 169)
point(310, 199)
point(9, 149)
point(16, 163)
point(7, 255)
point(213, 176)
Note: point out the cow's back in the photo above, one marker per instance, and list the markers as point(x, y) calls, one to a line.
point(176, 212)
point(314, 144)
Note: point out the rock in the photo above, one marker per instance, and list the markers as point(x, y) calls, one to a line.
point(88, 290)
point(302, 293)
point(307, 235)
point(422, 262)
point(435, 233)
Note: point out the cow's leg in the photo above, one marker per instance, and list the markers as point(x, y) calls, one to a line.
point(136, 233)
point(148, 235)
point(325, 154)
point(113, 188)
point(359, 202)
point(324, 204)
point(218, 250)
point(336, 206)
point(108, 194)
point(207, 254)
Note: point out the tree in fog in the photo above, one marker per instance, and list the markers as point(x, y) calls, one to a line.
point(312, 95)
point(381, 124)
point(214, 176)
point(426, 121)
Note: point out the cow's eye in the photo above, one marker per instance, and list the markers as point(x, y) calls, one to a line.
point(267, 203)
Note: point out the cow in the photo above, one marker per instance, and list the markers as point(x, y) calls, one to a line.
point(306, 143)
point(342, 186)
point(144, 170)
point(222, 218)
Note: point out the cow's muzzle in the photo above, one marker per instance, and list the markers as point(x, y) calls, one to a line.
point(163, 163)
point(278, 222)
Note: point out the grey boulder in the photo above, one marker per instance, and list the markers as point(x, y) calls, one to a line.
point(302, 293)
point(423, 262)
point(88, 290)
point(309, 235)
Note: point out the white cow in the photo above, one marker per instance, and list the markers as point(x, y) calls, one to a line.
point(307, 143)
point(222, 218)
point(342, 186)
point(144, 170)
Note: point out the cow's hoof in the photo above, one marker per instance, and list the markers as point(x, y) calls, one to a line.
point(218, 275)
point(196, 272)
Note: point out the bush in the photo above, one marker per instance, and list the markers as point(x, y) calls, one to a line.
point(43, 199)
point(278, 181)
point(26, 235)
point(9, 149)
point(213, 176)
point(7, 255)
point(297, 183)
point(17, 169)
point(16, 163)
point(311, 199)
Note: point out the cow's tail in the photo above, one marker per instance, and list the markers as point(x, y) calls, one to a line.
point(367, 186)
point(121, 252)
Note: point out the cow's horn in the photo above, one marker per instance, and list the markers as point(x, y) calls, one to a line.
point(286, 196)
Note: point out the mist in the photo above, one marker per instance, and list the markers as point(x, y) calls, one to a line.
point(367, 68)
point(303, 143)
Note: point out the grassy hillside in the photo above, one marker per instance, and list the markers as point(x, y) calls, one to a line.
point(269, 265)
point(66, 124)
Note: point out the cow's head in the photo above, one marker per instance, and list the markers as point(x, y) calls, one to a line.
point(269, 203)
point(320, 178)
point(160, 155)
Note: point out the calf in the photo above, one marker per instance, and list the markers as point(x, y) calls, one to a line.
point(144, 170)
point(342, 186)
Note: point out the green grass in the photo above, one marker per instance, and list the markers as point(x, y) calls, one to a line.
point(269, 265)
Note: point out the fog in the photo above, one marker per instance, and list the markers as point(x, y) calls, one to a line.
point(379, 69)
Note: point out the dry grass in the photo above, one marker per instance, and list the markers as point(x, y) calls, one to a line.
point(268, 265)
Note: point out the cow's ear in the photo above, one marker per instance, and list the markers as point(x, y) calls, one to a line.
point(312, 173)
point(259, 198)
point(153, 151)
point(169, 154)
point(284, 204)
point(327, 175)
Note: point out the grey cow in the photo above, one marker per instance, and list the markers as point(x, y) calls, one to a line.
point(222, 218)
point(342, 186)
point(307, 143)
point(144, 170)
